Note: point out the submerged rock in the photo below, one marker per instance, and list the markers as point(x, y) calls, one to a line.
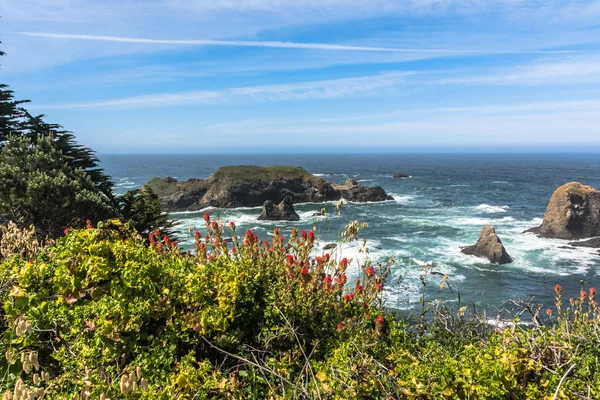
point(489, 246)
point(251, 186)
point(284, 211)
point(572, 213)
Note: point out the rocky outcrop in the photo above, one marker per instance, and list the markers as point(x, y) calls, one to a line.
point(400, 175)
point(572, 213)
point(489, 246)
point(284, 211)
point(251, 186)
point(594, 243)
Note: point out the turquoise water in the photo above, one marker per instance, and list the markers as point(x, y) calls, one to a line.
point(440, 208)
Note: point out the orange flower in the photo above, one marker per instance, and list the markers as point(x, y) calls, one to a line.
point(557, 288)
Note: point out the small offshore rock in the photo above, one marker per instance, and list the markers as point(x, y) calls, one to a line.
point(400, 175)
point(489, 246)
point(595, 243)
point(284, 211)
point(330, 246)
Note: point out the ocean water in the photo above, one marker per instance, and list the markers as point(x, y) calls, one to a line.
point(440, 208)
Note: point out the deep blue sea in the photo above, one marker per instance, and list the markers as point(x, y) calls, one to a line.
point(440, 208)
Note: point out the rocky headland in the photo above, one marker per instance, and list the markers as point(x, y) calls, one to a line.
point(573, 213)
point(251, 186)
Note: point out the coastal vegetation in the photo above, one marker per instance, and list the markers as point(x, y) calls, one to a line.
point(106, 313)
point(251, 173)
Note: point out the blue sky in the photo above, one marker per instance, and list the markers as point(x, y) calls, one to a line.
point(314, 75)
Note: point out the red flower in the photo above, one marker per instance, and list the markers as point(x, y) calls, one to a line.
point(592, 292)
point(173, 244)
point(304, 235)
point(347, 297)
point(206, 217)
point(582, 294)
point(343, 279)
point(215, 225)
point(370, 271)
point(328, 280)
point(358, 289)
point(304, 271)
point(380, 320)
point(340, 327)
point(151, 238)
point(233, 251)
point(311, 236)
point(88, 224)
point(326, 256)
point(344, 262)
point(166, 239)
point(557, 288)
point(290, 258)
point(379, 287)
point(156, 232)
point(67, 230)
point(232, 225)
point(549, 312)
point(197, 234)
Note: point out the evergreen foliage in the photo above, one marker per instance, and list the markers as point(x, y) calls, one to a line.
point(143, 209)
point(38, 187)
point(64, 187)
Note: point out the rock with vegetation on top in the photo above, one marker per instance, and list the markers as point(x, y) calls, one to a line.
point(251, 186)
point(572, 213)
point(400, 175)
point(489, 246)
point(284, 211)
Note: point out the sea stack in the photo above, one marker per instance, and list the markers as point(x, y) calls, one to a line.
point(489, 246)
point(572, 213)
point(284, 211)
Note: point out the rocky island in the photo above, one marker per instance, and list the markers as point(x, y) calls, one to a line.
point(251, 186)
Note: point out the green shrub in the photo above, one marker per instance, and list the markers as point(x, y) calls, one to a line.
point(106, 313)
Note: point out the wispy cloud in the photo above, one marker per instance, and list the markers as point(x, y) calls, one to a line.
point(322, 89)
point(561, 71)
point(275, 44)
point(541, 122)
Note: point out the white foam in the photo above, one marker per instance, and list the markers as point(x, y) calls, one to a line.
point(482, 221)
point(486, 208)
point(402, 199)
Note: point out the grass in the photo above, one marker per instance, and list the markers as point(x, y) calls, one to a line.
point(249, 173)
